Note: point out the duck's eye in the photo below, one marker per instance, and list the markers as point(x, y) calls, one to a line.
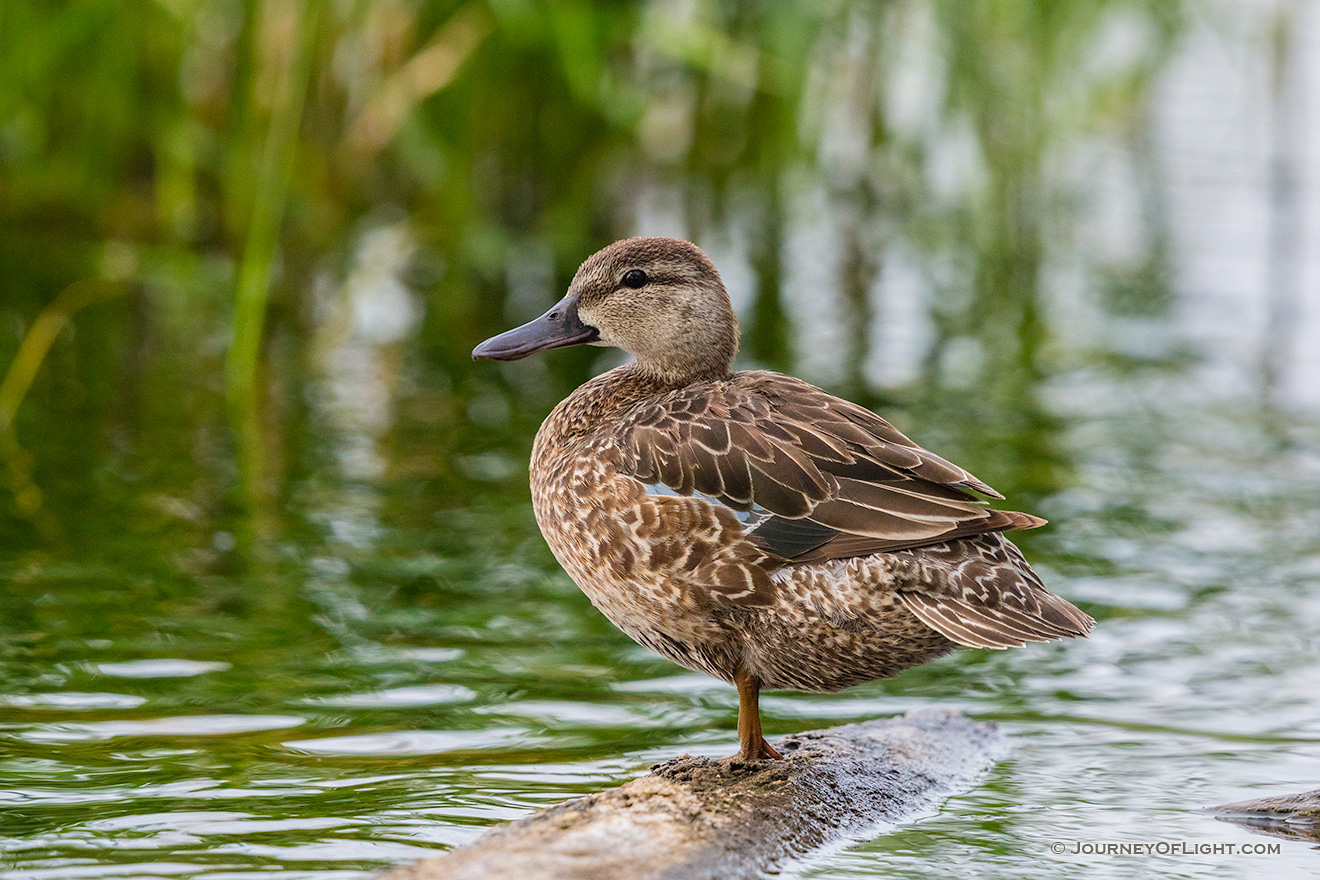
point(634, 278)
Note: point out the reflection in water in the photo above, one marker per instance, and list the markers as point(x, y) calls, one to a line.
point(360, 327)
point(1064, 244)
point(1241, 173)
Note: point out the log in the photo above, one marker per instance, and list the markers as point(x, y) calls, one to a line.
point(697, 818)
point(1290, 816)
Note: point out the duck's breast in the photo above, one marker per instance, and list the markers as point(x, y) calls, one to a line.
point(667, 570)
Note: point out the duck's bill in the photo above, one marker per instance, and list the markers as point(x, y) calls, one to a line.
point(558, 328)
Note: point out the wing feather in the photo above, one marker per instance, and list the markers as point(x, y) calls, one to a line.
point(982, 593)
point(956, 627)
point(707, 475)
point(764, 440)
point(737, 480)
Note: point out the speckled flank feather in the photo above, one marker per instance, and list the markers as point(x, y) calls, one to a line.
point(982, 593)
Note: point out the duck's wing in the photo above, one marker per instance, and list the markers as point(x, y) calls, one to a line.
point(982, 593)
point(812, 476)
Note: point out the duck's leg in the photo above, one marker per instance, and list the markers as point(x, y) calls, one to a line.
point(754, 746)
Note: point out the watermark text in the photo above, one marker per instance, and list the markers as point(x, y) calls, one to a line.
point(1163, 848)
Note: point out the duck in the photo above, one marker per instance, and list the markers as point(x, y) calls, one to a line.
point(746, 524)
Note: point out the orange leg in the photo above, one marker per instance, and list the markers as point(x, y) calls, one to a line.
point(754, 746)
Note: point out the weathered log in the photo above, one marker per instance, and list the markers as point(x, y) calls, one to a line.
point(1291, 816)
point(699, 818)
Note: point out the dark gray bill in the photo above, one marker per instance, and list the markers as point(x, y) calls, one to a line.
point(557, 328)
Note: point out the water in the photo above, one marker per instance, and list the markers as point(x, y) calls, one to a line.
point(347, 646)
point(333, 706)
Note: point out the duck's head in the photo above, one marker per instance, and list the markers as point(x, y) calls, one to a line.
point(660, 299)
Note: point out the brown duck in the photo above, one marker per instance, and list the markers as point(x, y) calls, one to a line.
point(746, 524)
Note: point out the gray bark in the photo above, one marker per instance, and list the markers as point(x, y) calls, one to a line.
point(695, 818)
point(1291, 816)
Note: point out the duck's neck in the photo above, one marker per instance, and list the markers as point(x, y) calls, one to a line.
point(597, 402)
point(666, 377)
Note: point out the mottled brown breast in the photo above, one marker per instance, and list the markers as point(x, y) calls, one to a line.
point(661, 568)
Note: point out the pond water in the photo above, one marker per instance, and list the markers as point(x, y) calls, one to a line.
point(365, 654)
point(411, 668)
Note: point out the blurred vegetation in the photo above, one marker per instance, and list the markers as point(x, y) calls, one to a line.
point(212, 169)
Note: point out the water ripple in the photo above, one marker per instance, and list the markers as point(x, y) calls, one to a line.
point(181, 725)
point(422, 695)
point(160, 668)
point(71, 700)
point(409, 742)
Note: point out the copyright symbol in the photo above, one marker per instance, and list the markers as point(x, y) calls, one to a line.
point(1057, 848)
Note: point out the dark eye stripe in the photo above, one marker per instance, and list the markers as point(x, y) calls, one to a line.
point(634, 278)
